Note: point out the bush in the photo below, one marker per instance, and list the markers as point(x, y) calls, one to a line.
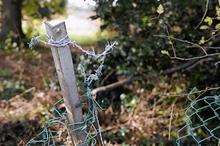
point(137, 22)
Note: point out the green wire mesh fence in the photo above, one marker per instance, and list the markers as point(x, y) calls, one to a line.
point(202, 119)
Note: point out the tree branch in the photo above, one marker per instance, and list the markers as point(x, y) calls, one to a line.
point(186, 66)
point(183, 41)
point(180, 67)
point(195, 58)
point(206, 55)
point(110, 86)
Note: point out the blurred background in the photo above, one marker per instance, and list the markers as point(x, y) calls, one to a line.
point(147, 108)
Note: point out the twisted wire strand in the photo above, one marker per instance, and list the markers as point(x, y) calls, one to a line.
point(66, 41)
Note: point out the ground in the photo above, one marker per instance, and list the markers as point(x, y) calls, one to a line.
point(29, 90)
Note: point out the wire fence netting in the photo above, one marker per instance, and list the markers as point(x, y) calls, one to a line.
point(50, 135)
point(202, 122)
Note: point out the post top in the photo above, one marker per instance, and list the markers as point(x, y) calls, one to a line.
point(56, 32)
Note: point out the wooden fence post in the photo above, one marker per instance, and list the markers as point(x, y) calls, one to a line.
point(65, 71)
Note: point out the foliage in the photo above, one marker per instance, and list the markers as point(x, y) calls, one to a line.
point(31, 11)
point(35, 10)
point(43, 8)
point(129, 101)
point(9, 89)
point(137, 23)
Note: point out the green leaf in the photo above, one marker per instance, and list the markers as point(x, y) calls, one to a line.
point(165, 52)
point(218, 13)
point(160, 9)
point(145, 20)
point(202, 41)
point(208, 20)
point(217, 26)
point(203, 27)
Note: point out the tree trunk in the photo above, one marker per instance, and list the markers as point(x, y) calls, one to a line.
point(11, 20)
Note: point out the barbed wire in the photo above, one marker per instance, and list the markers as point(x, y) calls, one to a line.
point(91, 121)
point(66, 41)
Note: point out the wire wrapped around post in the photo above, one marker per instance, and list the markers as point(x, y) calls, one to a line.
point(87, 124)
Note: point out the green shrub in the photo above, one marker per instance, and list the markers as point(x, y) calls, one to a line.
point(137, 22)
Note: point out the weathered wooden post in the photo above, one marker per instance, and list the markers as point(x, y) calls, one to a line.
point(64, 66)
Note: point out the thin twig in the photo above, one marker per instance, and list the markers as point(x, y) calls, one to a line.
point(193, 44)
point(108, 75)
point(183, 41)
point(218, 62)
point(27, 91)
point(215, 48)
point(170, 121)
point(172, 45)
point(203, 17)
point(186, 94)
point(180, 67)
point(194, 58)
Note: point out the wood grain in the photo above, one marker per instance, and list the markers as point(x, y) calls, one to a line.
point(65, 71)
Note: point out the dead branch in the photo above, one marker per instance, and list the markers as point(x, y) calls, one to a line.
point(203, 17)
point(200, 61)
point(110, 86)
point(180, 67)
